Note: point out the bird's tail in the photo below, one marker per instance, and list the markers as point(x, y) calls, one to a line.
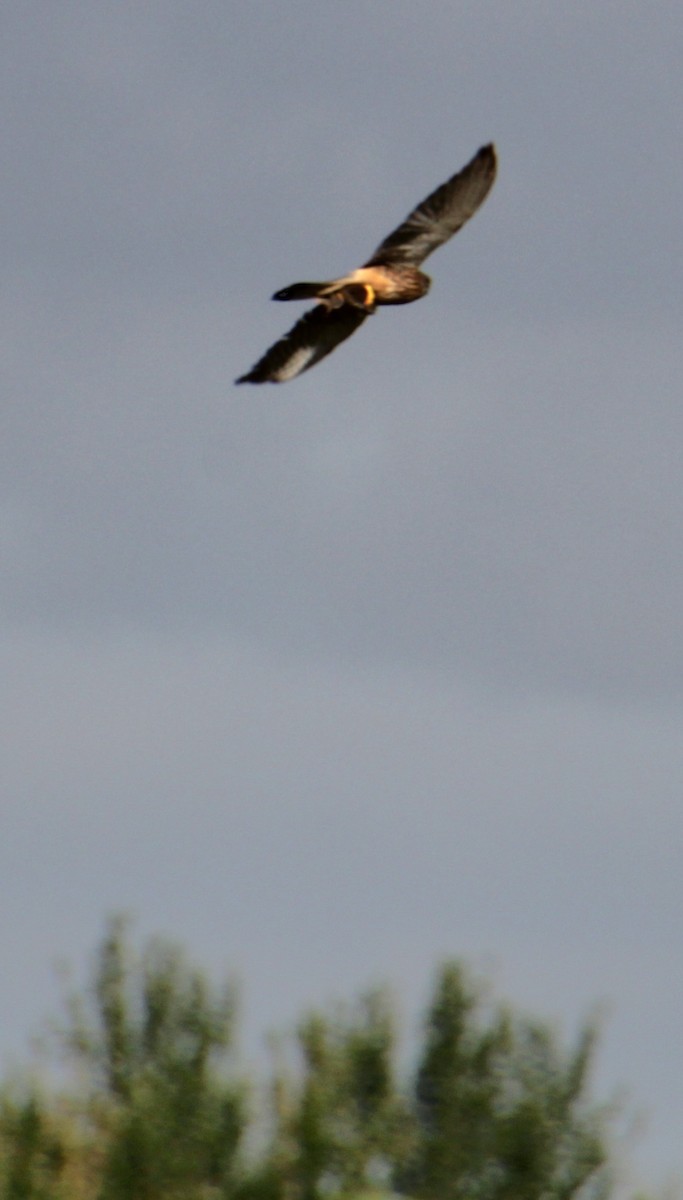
point(300, 291)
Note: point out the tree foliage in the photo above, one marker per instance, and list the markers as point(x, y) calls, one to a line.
point(153, 1107)
point(339, 1118)
point(500, 1108)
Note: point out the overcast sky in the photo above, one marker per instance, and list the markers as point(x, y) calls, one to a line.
point(332, 680)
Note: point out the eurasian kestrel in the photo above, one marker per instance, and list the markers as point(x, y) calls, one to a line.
point(391, 276)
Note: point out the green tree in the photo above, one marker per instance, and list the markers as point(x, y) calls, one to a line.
point(151, 1040)
point(152, 1108)
point(32, 1154)
point(339, 1119)
point(501, 1111)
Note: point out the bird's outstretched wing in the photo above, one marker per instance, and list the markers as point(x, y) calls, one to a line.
point(441, 215)
point(314, 335)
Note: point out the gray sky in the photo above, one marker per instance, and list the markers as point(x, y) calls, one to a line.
point(333, 680)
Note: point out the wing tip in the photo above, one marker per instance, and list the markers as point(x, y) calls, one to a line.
point(252, 377)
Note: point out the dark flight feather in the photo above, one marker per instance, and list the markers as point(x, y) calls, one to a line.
point(315, 335)
point(441, 215)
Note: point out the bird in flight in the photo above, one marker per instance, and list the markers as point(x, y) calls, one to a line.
point(390, 276)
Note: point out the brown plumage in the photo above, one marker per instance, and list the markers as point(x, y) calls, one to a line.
point(390, 276)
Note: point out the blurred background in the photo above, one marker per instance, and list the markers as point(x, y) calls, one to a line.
point(333, 680)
